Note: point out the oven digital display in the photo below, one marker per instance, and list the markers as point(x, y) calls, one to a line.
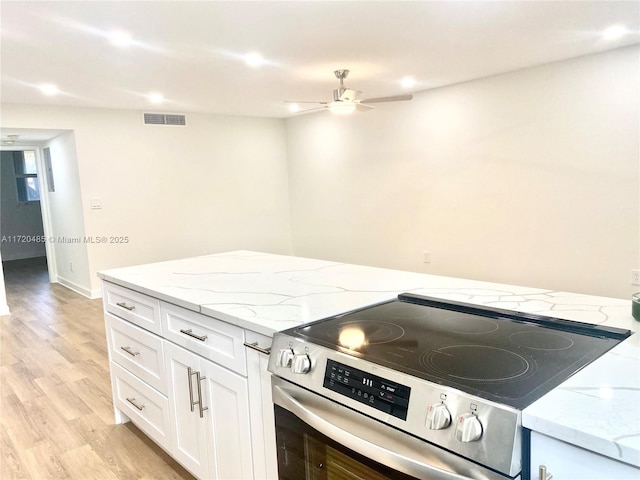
point(377, 392)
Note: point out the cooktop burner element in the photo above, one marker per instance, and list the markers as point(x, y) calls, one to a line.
point(541, 340)
point(462, 362)
point(495, 354)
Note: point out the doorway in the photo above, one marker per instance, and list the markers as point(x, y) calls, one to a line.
point(21, 225)
point(25, 221)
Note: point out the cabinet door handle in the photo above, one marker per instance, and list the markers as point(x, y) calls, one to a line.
point(129, 351)
point(125, 306)
point(202, 338)
point(132, 401)
point(199, 380)
point(190, 373)
point(254, 346)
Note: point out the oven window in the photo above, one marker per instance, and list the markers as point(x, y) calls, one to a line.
point(306, 454)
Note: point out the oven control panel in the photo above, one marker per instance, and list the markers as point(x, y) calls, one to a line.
point(372, 390)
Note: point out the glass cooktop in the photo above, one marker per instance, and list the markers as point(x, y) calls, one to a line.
point(499, 355)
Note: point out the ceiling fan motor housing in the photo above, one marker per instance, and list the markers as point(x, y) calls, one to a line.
point(338, 93)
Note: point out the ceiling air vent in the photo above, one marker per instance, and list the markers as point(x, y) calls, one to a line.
point(165, 119)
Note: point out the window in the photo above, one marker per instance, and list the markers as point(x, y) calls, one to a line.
point(26, 176)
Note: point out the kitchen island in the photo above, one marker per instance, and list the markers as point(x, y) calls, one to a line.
point(597, 410)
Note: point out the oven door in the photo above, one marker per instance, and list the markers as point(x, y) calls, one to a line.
point(318, 439)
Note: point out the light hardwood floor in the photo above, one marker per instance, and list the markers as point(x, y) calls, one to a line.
point(56, 415)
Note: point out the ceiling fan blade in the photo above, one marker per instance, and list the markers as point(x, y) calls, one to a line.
point(397, 98)
point(293, 101)
point(310, 110)
point(363, 108)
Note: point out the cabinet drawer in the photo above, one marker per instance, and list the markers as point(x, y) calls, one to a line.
point(140, 309)
point(214, 339)
point(146, 407)
point(137, 350)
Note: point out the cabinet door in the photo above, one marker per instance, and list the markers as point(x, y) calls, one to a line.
point(229, 435)
point(189, 444)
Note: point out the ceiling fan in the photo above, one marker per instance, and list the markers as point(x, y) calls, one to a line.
point(345, 99)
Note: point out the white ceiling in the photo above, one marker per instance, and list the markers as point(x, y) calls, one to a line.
point(192, 52)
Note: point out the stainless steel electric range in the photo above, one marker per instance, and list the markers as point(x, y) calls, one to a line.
point(419, 387)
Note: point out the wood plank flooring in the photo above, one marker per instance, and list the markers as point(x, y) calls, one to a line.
point(56, 414)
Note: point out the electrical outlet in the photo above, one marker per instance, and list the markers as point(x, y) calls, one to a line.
point(426, 257)
point(635, 277)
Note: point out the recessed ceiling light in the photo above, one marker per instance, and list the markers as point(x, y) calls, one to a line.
point(294, 107)
point(120, 38)
point(408, 82)
point(48, 89)
point(155, 97)
point(614, 32)
point(254, 59)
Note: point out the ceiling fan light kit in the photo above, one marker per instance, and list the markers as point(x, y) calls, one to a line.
point(345, 100)
point(342, 107)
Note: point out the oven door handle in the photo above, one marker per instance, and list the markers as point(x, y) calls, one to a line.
point(382, 446)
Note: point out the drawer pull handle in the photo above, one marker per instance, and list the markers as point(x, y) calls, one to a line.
point(254, 346)
point(125, 306)
point(132, 401)
point(202, 338)
point(129, 351)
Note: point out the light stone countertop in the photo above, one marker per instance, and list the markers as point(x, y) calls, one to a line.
point(598, 408)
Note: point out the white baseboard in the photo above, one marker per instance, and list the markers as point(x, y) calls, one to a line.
point(4, 310)
point(85, 292)
point(96, 294)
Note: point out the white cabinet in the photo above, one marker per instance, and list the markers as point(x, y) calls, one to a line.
point(228, 431)
point(568, 462)
point(137, 350)
point(210, 413)
point(189, 446)
point(135, 307)
point(214, 339)
point(189, 382)
point(143, 405)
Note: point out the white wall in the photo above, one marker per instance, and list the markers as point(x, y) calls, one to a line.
point(530, 178)
point(17, 219)
point(65, 208)
point(218, 184)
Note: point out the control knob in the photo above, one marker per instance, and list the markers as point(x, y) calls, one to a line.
point(301, 363)
point(285, 356)
point(438, 416)
point(468, 428)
